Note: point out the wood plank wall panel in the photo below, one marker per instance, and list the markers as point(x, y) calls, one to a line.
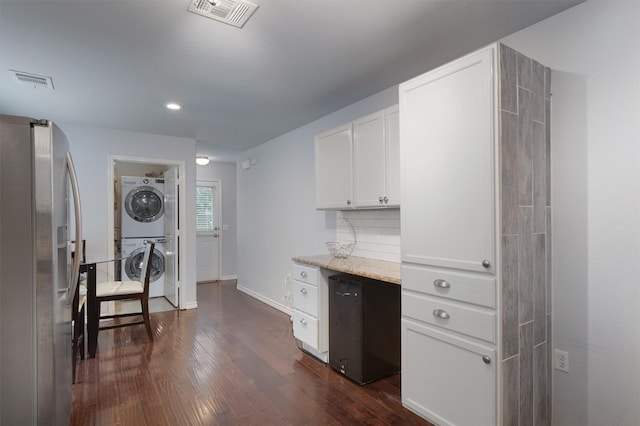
point(526, 218)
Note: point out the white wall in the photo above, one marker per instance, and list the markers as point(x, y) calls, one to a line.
point(594, 52)
point(226, 174)
point(277, 218)
point(91, 148)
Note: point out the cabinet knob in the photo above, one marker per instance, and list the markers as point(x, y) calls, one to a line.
point(486, 263)
point(486, 359)
point(380, 199)
point(386, 200)
point(348, 202)
point(303, 290)
point(441, 283)
point(303, 321)
point(440, 313)
point(304, 274)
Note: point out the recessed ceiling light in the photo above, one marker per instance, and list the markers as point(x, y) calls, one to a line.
point(173, 106)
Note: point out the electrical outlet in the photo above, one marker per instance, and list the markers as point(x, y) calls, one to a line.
point(562, 360)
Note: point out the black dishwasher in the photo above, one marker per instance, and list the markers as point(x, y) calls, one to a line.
point(364, 327)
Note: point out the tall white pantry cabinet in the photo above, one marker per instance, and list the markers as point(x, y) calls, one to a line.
point(476, 238)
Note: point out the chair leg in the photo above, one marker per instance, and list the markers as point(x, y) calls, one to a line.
point(82, 333)
point(145, 315)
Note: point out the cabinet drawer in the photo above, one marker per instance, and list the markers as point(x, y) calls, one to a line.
point(470, 288)
point(306, 274)
point(305, 328)
point(305, 297)
point(451, 316)
point(449, 380)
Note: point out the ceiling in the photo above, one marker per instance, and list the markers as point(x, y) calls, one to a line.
point(116, 63)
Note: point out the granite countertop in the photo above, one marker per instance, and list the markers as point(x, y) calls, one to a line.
point(371, 268)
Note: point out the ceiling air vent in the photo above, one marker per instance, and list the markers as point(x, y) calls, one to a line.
point(230, 12)
point(32, 80)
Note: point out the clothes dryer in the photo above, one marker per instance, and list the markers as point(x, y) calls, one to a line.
point(132, 257)
point(142, 207)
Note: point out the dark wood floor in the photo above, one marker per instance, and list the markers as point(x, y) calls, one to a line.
point(232, 361)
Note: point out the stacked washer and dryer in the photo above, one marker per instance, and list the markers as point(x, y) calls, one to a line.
point(142, 220)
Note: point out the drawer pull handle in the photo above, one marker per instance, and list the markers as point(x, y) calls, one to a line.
point(486, 359)
point(486, 263)
point(440, 313)
point(304, 274)
point(303, 290)
point(441, 283)
point(303, 321)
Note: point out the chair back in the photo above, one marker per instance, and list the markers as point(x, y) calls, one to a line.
point(145, 272)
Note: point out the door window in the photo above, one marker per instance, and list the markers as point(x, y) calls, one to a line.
point(205, 209)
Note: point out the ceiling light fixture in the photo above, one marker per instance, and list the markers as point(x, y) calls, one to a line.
point(173, 106)
point(202, 160)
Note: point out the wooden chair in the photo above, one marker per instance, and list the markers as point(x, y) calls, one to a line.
point(129, 290)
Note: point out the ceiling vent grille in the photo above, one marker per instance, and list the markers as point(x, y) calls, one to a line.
point(230, 12)
point(33, 80)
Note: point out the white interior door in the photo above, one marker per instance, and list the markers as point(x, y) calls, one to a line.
point(208, 231)
point(172, 234)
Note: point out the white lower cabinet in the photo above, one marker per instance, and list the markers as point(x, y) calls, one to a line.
point(310, 314)
point(452, 380)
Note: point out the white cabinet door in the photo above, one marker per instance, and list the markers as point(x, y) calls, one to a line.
point(334, 168)
point(449, 380)
point(392, 139)
point(447, 134)
point(376, 141)
point(369, 160)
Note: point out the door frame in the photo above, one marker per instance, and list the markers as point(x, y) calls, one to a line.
point(218, 184)
point(182, 208)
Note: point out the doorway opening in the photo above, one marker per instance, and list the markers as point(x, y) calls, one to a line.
point(146, 197)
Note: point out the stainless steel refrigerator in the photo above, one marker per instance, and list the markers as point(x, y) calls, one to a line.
point(37, 274)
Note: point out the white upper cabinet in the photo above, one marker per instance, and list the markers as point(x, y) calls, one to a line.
point(369, 160)
point(367, 176)
point(334, 168)
point(392, 147)
point(448, 186)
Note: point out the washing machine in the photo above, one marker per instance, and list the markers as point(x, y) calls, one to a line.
point(132, 257)
point(142, 207)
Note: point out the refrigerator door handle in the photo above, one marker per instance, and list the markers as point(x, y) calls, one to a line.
point(78, 216)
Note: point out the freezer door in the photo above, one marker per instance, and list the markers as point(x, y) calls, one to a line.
point(53, 274)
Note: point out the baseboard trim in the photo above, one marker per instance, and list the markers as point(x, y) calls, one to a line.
point(191, 305)
point(264, 300)
point(229, 277)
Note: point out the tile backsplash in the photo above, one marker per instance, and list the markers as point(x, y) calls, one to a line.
point(377, 233)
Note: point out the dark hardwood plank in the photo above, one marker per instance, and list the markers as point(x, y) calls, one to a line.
point(232, 361)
